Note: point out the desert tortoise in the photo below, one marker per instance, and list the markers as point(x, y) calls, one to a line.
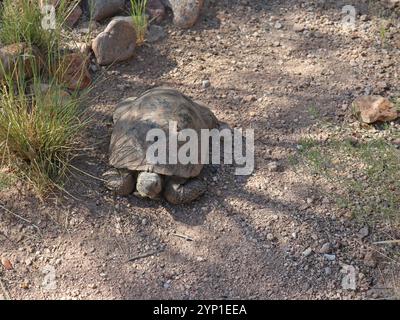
point(133, 118)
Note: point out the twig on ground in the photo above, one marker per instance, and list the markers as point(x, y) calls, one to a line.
point(145, 255)
point(182, 236)
point(387, 242)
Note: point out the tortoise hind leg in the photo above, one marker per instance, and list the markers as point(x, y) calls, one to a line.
point(180, 191)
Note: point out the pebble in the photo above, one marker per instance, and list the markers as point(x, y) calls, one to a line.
point(206, 84)
point(249, 98)
point(326, 248)
point(167, 284)
point(307, 252)
point(270, 237)
point(28, 261)
point(330, 257)
point(93, 286)
point(273, 166)
point(6, 264)
point(363, 232)
point(94, 67)
point(297, 27)
point(25, 285)
point(328, 271)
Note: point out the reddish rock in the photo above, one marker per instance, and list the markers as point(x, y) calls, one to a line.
point(74, 71)
point(20, 56)
point(370, 109)
point(6, 264)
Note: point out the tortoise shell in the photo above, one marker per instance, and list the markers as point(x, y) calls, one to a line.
point(156, 109)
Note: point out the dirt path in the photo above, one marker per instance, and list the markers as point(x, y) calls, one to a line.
point(256, 237)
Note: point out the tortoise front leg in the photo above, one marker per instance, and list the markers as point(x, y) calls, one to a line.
point(121, 182)
point(180, 191)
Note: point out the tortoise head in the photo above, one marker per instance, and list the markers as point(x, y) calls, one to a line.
point(149, 184)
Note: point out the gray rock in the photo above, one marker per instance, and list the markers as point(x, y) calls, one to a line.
point(326, 248)
point(307, 252)
point(117, 43)
point(330, 257)
point(206, 84)
point(328, 271)
point(364, 232)
point(102, 9)
point(167, 284)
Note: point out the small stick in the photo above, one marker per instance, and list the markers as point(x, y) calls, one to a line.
point(182, 236)
point(142, 256)
point(387, 242)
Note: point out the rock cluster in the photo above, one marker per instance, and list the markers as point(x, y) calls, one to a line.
point(118, 41)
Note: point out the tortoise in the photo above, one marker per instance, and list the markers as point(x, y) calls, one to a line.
point(133, 118)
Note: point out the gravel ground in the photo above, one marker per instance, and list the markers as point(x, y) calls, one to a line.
point(271, 235)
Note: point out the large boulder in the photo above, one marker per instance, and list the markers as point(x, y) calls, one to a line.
point(370, 109)
point(186, 12)
point(116, 43)
point(101, 9)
